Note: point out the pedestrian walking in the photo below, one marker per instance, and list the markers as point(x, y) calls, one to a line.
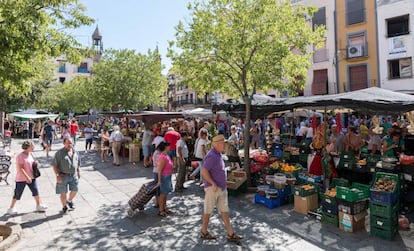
point(215, 188)
point(74, 128)
point(25, 177)
point(50, 133)
point(165, 169)
point(182, 159)
point(66, 165)
point(88, 131)
point(116, 141)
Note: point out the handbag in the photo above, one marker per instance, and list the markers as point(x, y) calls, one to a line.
point(36, 171)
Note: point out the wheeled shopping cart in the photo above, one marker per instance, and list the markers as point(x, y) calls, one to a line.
point(142, 197)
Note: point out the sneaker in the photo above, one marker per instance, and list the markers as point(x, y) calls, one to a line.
point(86, 151)
point(64, 210)
point(71, 204)
point(41, 208)
point(12, 211)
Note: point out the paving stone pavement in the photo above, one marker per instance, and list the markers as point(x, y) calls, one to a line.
point(100, 222)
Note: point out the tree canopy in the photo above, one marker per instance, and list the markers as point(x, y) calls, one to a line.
point(128, 80)
point(31, 32)
point(241, 46)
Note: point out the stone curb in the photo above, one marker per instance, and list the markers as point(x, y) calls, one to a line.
point(15, 234)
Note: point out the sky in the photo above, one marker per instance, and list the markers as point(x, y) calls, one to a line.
point(134, 24)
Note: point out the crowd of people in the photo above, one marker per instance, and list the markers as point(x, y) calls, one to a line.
point(191, 149)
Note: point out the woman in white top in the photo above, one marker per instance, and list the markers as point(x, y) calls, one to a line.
point(200, 150)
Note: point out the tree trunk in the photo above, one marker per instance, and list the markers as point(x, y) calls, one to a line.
point(246, 136)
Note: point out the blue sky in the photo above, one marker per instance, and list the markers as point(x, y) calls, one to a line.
point(134, 24)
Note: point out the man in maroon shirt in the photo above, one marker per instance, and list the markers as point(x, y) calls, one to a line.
point(172, 137)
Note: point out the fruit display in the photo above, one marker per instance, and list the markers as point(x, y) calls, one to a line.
point(331, 192)
point(362, 162)
point(307, 187)
point(385, 184)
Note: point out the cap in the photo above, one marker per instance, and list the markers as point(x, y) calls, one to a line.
point(219, 138)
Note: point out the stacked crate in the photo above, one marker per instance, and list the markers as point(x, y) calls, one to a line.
point(384, 207)
point(329, 203)
point(352, 206)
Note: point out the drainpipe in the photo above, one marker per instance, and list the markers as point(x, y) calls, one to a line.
point(336, 50)
point(377, 40)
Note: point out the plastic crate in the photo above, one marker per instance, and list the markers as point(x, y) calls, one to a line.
point(271, 203)
point(332, 201)
point(360, 168)
point(329, 208)
point(386, 223)
point(353, 193)
point(373, 158)
point(330, 219)
point(300, 191)
point(310, 179)
point(340, 182)
point(383, 233)
point(390, 176)
point(381, 209)
point(388, 198)
point(352, 208)
point(346, 164)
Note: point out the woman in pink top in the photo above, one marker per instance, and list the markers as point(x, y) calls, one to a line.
point(165, 169)
point(24, 176)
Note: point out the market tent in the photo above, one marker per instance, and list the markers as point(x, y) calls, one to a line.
point(262, 105)
point(302, 113)
point(203, 113)
point(372, 99)
point(154, 117)
point(32, 114)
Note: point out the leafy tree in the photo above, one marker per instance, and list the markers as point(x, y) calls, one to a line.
point(241, 46)
point(32, 31)
point(127, 80)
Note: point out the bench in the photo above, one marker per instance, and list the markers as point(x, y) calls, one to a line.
point(4, 168)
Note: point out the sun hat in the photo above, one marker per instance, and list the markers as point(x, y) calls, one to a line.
point(218, 139)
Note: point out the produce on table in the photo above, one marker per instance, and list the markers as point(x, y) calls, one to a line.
point(331, 192)
point(385, 184)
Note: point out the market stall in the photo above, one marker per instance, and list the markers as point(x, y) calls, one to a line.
point(344, 202)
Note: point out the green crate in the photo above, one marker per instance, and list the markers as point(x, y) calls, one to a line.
point(384, 233)
point(298, 190)
point(330, 219)
point(373, 158)
point(286, 156)
point(385, 222)
point(381, 209)
point(391, 176)
point(339, 182)
point(353, 193)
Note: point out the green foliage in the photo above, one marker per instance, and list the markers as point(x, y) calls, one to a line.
point(242, 46)
point(32, 31)
point(128, 80)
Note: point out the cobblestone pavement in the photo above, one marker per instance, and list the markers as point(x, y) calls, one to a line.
point(100, 222)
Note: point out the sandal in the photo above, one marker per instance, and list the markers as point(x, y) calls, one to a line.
point(207, 236)
point(162, 214)
point(167, 211)
point(234, 237)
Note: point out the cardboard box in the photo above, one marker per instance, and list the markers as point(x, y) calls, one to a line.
point(305, 204)
point(352, 223)
point(235, 179)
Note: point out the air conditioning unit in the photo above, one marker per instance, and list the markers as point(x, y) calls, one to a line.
point(355, 51)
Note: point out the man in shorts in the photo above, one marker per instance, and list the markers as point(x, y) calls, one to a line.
point(66, 165)
point(50, 133)
point(215, 188)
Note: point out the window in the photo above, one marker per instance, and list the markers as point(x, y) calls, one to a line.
point(62, 80)
point(355, 11)
point(320, 82)
point(358, 77)
point(397, 26)
point(62, 67)
point(400, 68)
point(83, 68)
point(319, 18)
point(357, 45)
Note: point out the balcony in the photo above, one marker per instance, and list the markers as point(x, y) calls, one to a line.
point(83, 70)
